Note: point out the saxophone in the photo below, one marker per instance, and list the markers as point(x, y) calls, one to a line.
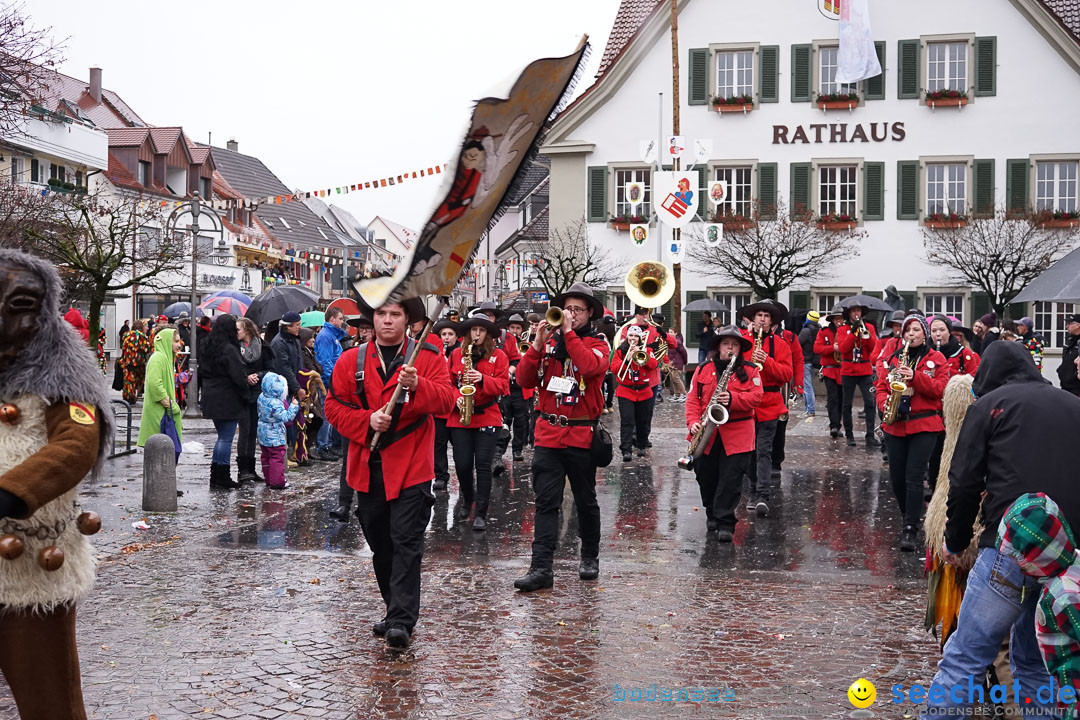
point(714, 416)
point(465, 404)
point(759, 338)
point(897, 388)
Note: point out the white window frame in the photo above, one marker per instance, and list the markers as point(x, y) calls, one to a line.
point(1050, 321)
point(618, 300)
point(1034, 190)
point(924, 175)
point(969, 83)
point(935, 301)
point(817, 163)
point(645, 207)
point(734, 298)
point(731, 167)
point(714, 61)
point(834, 294)
point(816, 72)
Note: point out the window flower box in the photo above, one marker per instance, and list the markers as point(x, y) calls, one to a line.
point(835, 223)
point(734, 223)
point(946, 98)
point(738, 103)
point(1059, 220)
point(940, 221)
point(838, 101)
point(623, 222)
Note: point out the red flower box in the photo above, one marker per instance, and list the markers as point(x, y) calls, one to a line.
point(947, 102)
point(945, 224)
point(837, 104)
point(620, 225)
point(734, 108)
point(1060, 224)
point(838, 225)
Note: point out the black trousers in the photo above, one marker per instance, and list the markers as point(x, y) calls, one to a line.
point(515, 411)
point(474, 449)
point(779, 441)
point(247, 437)
point(909, 457)
point(635, 423)
point(719, 478)
point(760, 469)
point(935, 460)
point(551, 467)
point(865, 384)
point(394, 531)
point(345, 493)
point(609, 389)
point(834, 399)
point(442, 438)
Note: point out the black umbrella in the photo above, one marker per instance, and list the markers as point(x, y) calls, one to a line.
point(867, 301)
point(706, 305)
point(173, 311)
point(280, 299)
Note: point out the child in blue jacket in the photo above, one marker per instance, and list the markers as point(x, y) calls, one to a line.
point(274, 412)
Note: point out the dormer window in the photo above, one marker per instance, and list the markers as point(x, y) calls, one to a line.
point(284, 224)
point(144, 173)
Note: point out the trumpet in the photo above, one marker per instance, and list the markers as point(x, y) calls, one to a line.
point(859, 330)
point(525, 343)
point(554, 317)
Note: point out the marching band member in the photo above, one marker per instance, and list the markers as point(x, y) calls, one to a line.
point(773, 355)
point(794, 385)
point(726, 457)
point(508, 344)
point(566, 368)
point(961, 361)
point(632, 364)
point(393, 481)
point(826, 348)
point(515, 404)
point(449, 332)
point(857, 340)
point(913, 432)
point(479, 364)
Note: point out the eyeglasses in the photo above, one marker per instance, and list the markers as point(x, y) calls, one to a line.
point(575, 310)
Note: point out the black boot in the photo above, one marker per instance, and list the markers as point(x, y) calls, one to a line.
point(341, 513)
point(589, 568)
point(245, 470)
point(535, 579)
point(908, 537)
point(221, 477)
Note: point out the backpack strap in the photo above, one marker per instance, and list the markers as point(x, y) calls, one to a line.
point(361, 360)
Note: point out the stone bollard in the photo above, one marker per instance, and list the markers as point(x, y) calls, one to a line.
point(159, 475)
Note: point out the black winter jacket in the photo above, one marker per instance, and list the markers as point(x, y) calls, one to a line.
point(1018, 437)
point(1067, 369)
point(224, 386)
point(807, 336)
point(259, 366)
point(288, 358)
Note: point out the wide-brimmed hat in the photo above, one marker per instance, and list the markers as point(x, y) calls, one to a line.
point(479, 321)
point(444, 324)
point(361, 320)
point(583, 291)
point(775, 309)
point(486, 307)
point(835, 312)
point(515, 318)
point(728, 331)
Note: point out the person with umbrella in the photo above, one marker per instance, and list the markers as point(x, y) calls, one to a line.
point(288, 362)
point(826, 349)
point(857, 341)
point(183, 328)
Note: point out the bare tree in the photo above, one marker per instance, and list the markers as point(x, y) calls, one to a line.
point(102, 245)
point(999, 254)
point(28, 59)
point(772, 250)
point(567, 256)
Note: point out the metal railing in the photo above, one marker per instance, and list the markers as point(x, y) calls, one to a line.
point(122, 410)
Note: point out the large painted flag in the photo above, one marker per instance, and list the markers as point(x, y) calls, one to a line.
point(501, 135)
point(857, 59)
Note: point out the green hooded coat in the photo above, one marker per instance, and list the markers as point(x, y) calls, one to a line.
point(160, 383)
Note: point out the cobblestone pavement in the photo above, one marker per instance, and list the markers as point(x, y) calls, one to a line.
point(255, 604)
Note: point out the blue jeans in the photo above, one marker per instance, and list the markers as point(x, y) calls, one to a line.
point(702, 355)
point(808, 387)
point(223, 447)
point(326, 436)
point(999, 599)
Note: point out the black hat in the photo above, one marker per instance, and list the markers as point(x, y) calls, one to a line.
point(444, 324)
point(478, 321)
point(713, 341)
point(839, 312)
point(1074, 318)
point(487, 307)
point(583, 291)
point(361, 320)
point(896, 317)
point(775, 309)
point(414, 309)
point(658, 318)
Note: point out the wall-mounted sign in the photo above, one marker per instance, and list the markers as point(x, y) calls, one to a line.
point(818, 133)
point(718, 192)
point(714, 233)
point(648, 152)
point(639, 234)
point(675, 197)
point(635, 193)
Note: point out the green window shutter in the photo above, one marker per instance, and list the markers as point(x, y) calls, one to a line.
point(691, 317)
point(985, 66)
point(907, 69)
point(907, 190)
point(798, 300)
point(800, 72)
point(984, 188)
point(875, 86)
point(697, 86)
point(769, 91)
point(1016, 185)
point(766, 190)
point(874, 191)
point(703, 190)
point(1015, 311)
point(800, 188)
point(911, 299)
point(597, 203)
point(980, 305)
point(665, 310)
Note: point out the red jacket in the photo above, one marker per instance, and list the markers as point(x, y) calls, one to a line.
point(411, 459)
point(508, 342)
point(823, 346)
point(738, 432)
point(969, 359)
point(637, 385)
point(774, 374)
point(931, 376)
point(797, 372)
point(446, 355)
point(496, 382)
point(885, 349)
point(589, 364)
point(513, 340)
point(848, 342)
point(651, 337)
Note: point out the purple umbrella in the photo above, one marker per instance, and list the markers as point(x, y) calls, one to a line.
point(228, 305)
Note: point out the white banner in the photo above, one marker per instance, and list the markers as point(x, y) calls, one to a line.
point(857, 58)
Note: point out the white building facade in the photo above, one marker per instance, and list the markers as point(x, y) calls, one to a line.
point(890, 161)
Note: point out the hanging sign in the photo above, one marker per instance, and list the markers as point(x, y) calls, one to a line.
point(639, 234)
point(714, 233)
point(635, 193)
point(718, 192)
point(702, 151)
point(648, 151)
point(675, 197)
point(675, 147)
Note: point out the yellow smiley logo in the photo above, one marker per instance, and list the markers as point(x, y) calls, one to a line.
point(862, 693)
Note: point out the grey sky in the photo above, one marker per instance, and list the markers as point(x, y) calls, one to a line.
point(325, 93)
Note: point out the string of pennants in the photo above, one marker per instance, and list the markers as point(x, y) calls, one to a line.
point(390, 181)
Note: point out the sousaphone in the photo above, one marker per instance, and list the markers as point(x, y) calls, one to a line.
point(649, 284)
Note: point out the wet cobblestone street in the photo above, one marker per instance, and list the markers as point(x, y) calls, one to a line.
point(255, 604)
